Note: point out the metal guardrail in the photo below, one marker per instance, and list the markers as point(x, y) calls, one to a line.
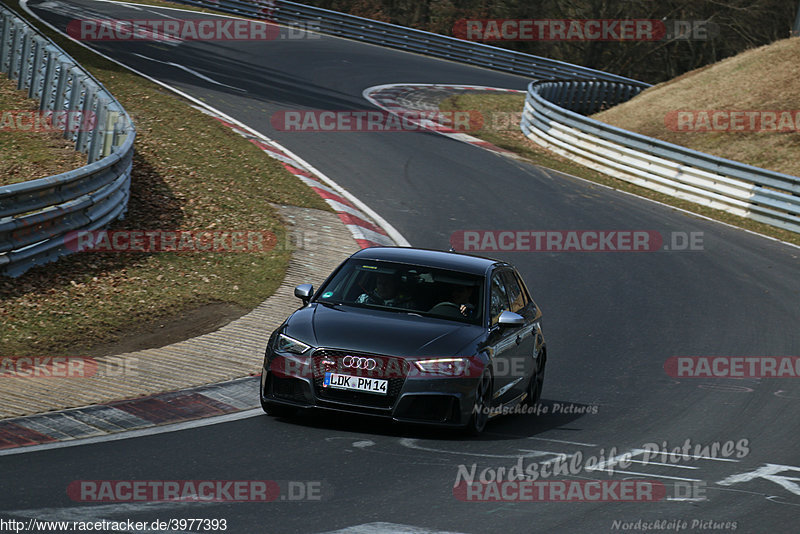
point(35, 216)
point(553, 118)
point(409, 39)
point(796, 27)
point(553, 115)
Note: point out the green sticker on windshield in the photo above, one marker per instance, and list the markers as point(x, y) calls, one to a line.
point(327, 294)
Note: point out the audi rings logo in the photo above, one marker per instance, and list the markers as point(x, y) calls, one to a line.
point(359, 363)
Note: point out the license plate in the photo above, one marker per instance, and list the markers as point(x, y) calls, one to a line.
point(356, 383)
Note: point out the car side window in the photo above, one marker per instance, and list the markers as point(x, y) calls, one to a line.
point(525, 294)
point(516, 297)
point(499, 299)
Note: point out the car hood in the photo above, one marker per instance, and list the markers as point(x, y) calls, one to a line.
point(380, 332)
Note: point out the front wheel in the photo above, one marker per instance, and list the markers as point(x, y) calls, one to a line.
point(537, 382)
point(482, 405)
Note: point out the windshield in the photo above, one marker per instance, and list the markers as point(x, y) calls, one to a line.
point(399, 287)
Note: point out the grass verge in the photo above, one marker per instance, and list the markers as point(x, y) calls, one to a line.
point(190, 173)
point(25, 153)
point(513, 139)
point(762, 79)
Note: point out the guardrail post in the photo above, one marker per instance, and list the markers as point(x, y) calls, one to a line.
point(796, 29)
point(5, 46)
point(36, 74)
point(82, 140)
point(61, 85)
point(98, 131)
point(34, 214)
point(16, 46)
point(24, 58)
point(47, 96)
point(75, 91)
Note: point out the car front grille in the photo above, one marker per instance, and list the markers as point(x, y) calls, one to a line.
point(390, 368)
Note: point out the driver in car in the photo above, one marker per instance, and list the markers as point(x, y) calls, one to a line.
point(386, 292)
point(458, 303)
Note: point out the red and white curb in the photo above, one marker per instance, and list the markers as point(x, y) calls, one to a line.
point(224, 401)
point(365, 232)
point(368, 228)
point(196, 406)
point(386, 98)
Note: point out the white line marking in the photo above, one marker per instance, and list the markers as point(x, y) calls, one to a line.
point(644, 462)
point(651, 475)
point(567, 442)
point(779, 500)
point(768, 472)
point(411, 443)
point(544, 439)
point(386, 528)
point(639, 452)
point(95, 513)
point(190, 71)
point(155, 12)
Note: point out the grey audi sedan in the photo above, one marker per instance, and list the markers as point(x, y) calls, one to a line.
point(413, 335)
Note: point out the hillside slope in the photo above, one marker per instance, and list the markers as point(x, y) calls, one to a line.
point(764, 79)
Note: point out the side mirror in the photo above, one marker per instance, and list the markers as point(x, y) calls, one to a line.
point(509, 318)
point(304, 292)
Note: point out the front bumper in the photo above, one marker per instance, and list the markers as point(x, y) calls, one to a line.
point(297, 381)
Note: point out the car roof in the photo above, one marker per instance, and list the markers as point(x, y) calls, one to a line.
point(429, 258)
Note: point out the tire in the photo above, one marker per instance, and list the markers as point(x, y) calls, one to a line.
point(482, 406)
point(537, 382)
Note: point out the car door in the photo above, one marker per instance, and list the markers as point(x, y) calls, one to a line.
point(502, 343)
point(527, 335)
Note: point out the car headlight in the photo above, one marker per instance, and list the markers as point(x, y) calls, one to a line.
point(285, 343)
point(445, 366)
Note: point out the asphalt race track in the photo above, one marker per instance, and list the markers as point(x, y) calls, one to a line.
point(612, 320)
